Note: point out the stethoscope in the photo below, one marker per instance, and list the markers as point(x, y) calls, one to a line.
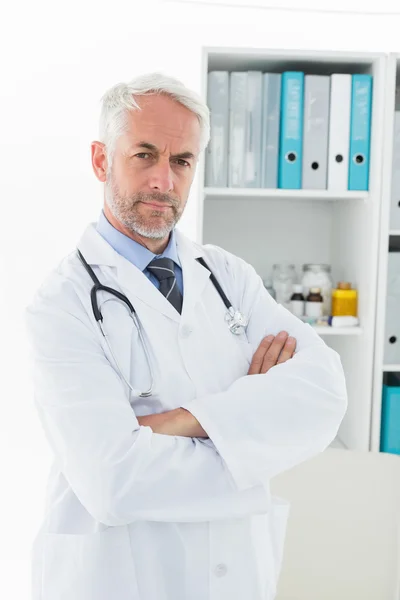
point(234, 318)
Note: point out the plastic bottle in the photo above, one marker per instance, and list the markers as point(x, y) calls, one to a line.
point(344, 300)
point(343, 321)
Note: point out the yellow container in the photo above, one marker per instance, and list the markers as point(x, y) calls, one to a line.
point(344, 301)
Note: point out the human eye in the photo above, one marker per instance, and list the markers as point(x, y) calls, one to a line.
point(182, 163)
point(142, 155)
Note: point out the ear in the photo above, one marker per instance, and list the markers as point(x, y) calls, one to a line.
point(99, 160)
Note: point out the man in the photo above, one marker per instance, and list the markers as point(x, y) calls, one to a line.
point(166, 426)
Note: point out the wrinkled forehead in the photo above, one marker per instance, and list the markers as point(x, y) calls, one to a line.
point(164, 123)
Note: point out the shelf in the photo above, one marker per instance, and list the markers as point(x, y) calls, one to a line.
point(391, 368)
point(267, 226)
point(229, 193)
point(327, 330)
point(394, 232)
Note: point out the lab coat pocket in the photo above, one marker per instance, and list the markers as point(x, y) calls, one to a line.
point(95, 566)
point(268, 532)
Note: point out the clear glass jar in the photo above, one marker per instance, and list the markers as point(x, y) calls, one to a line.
point(283, 279)
point(268, 286)
point(319, 276)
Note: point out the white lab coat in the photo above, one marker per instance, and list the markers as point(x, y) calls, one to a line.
point(134, 515)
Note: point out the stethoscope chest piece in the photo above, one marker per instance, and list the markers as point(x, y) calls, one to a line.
point(237, 323)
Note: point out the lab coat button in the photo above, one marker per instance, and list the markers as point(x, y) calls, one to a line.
point(185, 331)
point(221, 570)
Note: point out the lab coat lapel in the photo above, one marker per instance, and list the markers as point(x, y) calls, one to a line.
point(134, 284)
point(195, 276)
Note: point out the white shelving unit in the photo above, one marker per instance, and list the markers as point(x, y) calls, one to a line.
point(266, 226)
point(392, 81)
point(243, 193)
point(339, 330)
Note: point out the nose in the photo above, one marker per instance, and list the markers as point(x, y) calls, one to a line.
point(160, 179)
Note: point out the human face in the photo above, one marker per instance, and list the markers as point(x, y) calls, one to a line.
point(147, 186)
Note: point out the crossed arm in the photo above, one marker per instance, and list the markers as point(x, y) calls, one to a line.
point(271, 351)
point(122, 472)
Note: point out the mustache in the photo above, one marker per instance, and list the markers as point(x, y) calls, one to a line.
point(160, 197)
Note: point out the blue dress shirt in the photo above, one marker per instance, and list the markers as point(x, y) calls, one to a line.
point(138, 254)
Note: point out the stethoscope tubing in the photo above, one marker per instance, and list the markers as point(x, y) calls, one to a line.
point(98, 286)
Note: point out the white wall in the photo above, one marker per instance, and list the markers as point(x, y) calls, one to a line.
point(57, 60)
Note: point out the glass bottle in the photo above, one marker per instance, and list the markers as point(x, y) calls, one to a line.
point(314, 303)
point(297, 301)
point(318, 275)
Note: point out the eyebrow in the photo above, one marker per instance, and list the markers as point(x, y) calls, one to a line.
point(154, 148)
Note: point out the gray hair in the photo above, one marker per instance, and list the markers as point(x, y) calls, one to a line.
point(119, 100)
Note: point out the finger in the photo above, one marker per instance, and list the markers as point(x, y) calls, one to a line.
point(258, 357)
point(259, 354)
point(272, 354)
point(287, 350)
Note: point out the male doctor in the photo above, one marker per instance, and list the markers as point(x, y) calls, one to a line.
point(165, 495)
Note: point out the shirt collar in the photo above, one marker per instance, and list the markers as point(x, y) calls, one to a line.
point(132, 250)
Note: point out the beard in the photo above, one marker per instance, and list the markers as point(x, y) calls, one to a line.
point(155, 224)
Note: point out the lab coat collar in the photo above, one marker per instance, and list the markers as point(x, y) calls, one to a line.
point(136, 253)
point(133, 282)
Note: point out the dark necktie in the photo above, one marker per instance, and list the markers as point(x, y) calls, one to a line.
point(163, 269)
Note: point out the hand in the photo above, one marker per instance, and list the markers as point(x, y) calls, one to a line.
point(174, 422)
point(272, 351)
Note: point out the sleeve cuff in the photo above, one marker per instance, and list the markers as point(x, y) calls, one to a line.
point(237, 468)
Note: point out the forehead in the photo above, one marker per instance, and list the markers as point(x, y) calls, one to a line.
point(165, 123)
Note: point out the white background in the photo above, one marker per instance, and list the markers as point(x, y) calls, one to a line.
point(57, 59)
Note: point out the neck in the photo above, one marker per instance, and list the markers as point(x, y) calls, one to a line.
point(154, 245)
